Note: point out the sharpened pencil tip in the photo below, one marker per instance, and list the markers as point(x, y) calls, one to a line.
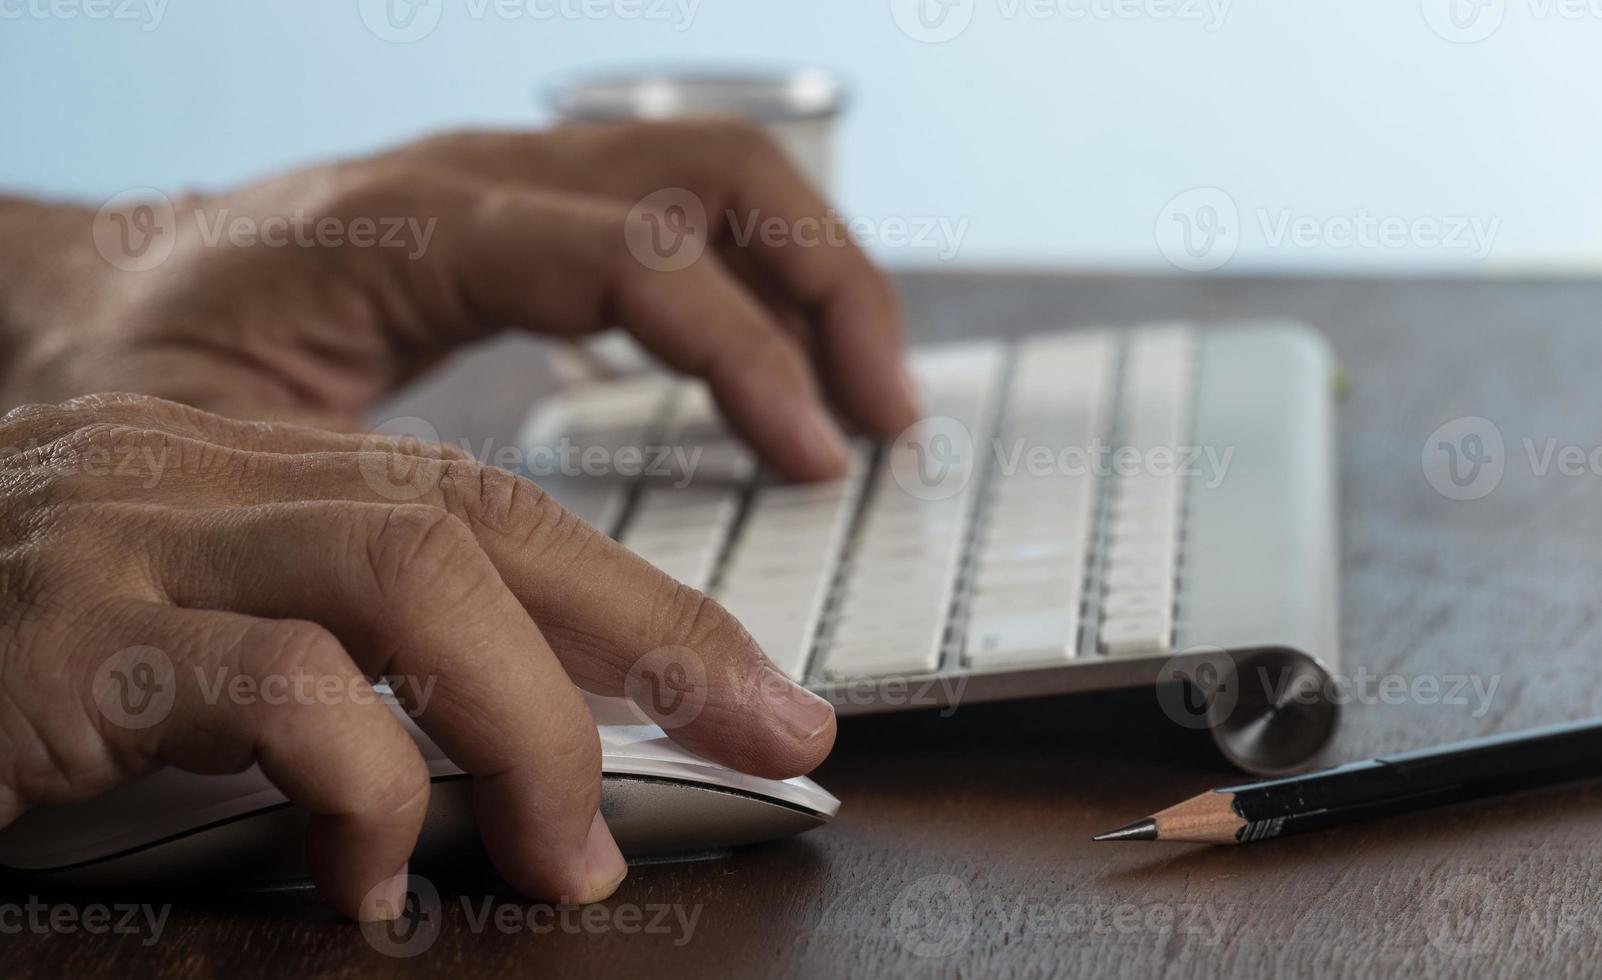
point(1143, 829)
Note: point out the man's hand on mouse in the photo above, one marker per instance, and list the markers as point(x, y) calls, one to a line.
point(184, 589)
point(262, 550)
point(309, 295)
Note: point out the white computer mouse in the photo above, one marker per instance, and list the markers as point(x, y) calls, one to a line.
point(173, 826)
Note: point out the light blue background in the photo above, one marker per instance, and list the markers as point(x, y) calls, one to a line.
point(1057, 136)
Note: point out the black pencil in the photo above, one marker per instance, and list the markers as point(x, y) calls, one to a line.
point(1378, 787)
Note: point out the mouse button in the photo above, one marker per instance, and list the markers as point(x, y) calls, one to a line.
point(653, 816)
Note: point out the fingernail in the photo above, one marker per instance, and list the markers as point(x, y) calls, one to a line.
point(804, 714)
point(604, 867)
point(821, 438)
point(387, 901)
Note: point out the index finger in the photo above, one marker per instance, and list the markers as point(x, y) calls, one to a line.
point(854, 309)
point(412, 596)
point(745, 181)
point(617, 624)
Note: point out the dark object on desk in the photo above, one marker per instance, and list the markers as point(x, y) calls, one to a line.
point(1378, 787)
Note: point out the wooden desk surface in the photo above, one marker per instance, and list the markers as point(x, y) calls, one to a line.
point(963, 844)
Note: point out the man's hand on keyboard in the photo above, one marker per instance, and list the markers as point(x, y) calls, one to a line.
point(309, 295)
point(181, 588)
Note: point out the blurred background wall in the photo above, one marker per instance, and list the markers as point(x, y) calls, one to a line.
point(1462, 134)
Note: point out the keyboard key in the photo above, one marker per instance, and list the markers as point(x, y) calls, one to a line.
point(575, 445)
point(997, 507)
point(1128, 636)
point(913, 650)
point(784, 562)
point(899, 585)
point(1137, 602)
point(1138, 574)
point(1028, 579)
point(684, 515)
point(1021, 638)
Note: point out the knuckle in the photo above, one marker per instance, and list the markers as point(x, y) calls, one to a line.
point(103, 449)
point(141, 412)
point(449, 144)
point(85, 464)
point(407, 787)
point(383, 190)
point(26, 419)
point(298, 647)
point(389, 447)
point(415, 549)
point(578, 751)
point(615, 254)
point(494, 499)
point(478, 494)
point(51, 744)
point(435, 450)
point(689, 618)
point(101, 435)
point(117, 399)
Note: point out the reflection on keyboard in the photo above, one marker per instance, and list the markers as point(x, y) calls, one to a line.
point(1056, 508)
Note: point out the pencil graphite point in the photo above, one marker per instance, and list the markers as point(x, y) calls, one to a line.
point(1143, 829)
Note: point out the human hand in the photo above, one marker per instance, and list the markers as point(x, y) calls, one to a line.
point(271, 551)
point(310, 295)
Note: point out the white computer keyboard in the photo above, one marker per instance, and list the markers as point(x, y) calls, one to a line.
point(1079, 510)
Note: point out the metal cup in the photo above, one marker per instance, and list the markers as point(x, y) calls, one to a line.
point(798, 106)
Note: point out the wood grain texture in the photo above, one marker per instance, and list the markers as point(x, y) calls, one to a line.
point(963, 847)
